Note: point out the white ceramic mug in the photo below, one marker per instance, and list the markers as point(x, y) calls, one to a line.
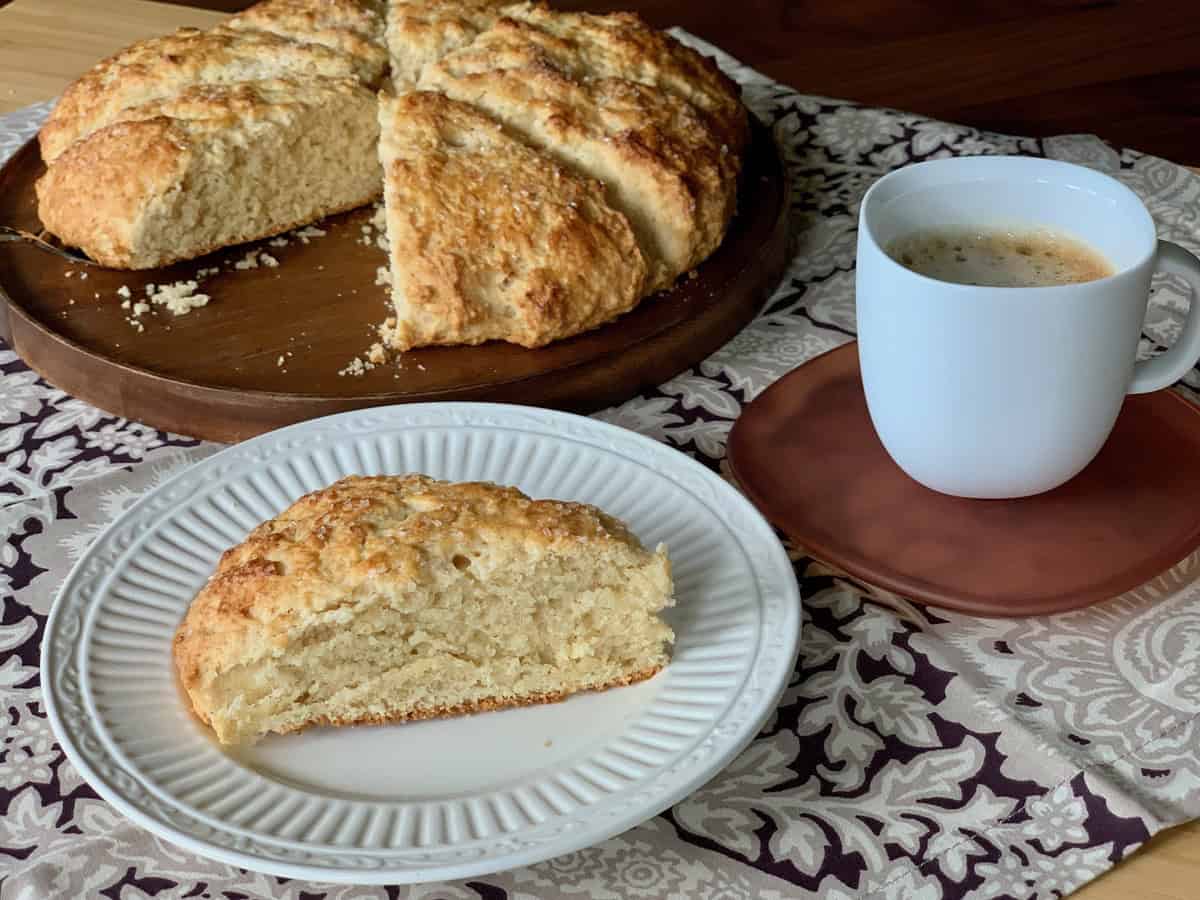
point(1006, 392)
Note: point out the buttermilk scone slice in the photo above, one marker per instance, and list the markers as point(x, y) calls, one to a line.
point(661, 163)
point(354, 27)
point(211, 166)
point(394, 598)
point(160, 67)
point(489, 239)
point(621, 45)
point(420, 32)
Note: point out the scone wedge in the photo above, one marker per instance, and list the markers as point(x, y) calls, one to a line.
point(383, 599)
point(492, 240)
point(213, 165)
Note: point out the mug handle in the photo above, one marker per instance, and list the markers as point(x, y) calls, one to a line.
point(1165, 369)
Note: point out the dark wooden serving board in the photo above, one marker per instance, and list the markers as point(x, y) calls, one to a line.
point(214, 373)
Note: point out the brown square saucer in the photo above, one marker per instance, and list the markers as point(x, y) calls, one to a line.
point(806, 454)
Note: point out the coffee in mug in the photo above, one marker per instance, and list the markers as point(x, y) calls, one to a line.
point(1000, 257)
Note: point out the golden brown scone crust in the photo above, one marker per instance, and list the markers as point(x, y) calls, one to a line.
point(97, 193)
point(622, 45)
point(354, 27)
point(350, 534)
point(305, 20)
point(662, 164)
point(420, 32)
point(159, 67)
point(491, 240)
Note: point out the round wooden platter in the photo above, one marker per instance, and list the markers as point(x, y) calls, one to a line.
point(268, 348)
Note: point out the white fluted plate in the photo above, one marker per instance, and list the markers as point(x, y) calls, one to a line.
point(429, 800)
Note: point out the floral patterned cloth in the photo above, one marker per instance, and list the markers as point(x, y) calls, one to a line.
point(917, 753)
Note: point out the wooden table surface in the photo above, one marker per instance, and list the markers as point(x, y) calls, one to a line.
point(1127, 71)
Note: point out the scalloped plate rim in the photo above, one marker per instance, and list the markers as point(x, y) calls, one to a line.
point(488, 862)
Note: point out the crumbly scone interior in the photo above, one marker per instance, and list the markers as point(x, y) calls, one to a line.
point(300, 159)
point(496, 625)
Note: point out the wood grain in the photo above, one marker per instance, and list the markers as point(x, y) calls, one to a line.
point(46, 44)
point(1166, 868)
point(1121, 87)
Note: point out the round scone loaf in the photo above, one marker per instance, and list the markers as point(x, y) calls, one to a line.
point(383, 599)
point(571, 165)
